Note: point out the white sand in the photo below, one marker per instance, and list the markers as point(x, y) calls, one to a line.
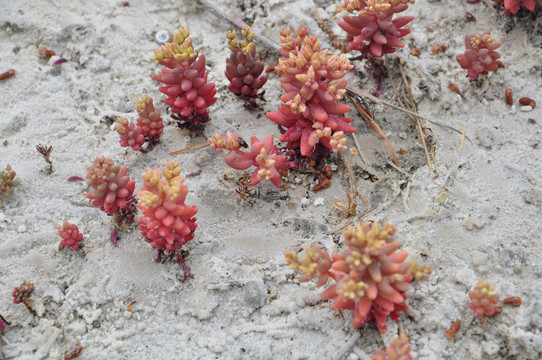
point(478, 218)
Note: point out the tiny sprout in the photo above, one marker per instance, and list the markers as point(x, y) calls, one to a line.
point(22, 293)
point(46, 152)
point(7, 181)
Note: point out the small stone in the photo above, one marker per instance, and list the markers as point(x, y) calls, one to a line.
point(478, 258)
point(319, 201)
point(526, 108)
point(255, 293)
point(304, 201)
point(468, 224)
point(201, 306)
point(491, 348)
point(21, 229)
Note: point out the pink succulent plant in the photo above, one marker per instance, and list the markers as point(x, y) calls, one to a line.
point(22, 293)
point(149, 121)
point(263, 155)
point(372, 25)
point(512, 6)
point(70, 235)
point(399, 349)
point(185, 78)
point(130, 134)
point(113, 189)
point(480, 56)
point(483, 299)
point(243, 69)
point(371, 278)
point(313, 86)
point(167, 222)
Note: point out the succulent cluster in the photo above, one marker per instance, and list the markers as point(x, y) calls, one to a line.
point(263, 155)
point(371, 278)
point(480, 56)
point(70, 235)
point(167, 223)
point(185, 78)
point(149, 120)
point(22, 293)
point(130, 134)
point(147, 129)
point(399, 349)
point(310, 119)
point(374, 30)
point(483, 299)
point(243, 68)
point(7, 181)
point(113, 189)
point(512, 6)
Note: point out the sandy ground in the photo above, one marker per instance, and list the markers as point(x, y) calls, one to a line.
point(477, 218)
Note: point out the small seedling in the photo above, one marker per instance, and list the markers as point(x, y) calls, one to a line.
point(399, 349)
point(22, 293)
point(7, 181)
point(71, 237)
point(480, 56)
point(483, 299)
point(46, 152)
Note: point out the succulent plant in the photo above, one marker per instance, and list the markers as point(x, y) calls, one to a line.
point(167, 222)
point(372, 26)
point(130, 134)
point(22, 293)
point(399, 349)
point(7, 181)
point(483, 299)
point(243, 68)
point(113, 189)
point(480, 56)
point(70, 235)
point(149, 121)
point(313, 86)
point(264, 156)
point(371, 278)
point(512, 6)
point(185, 78)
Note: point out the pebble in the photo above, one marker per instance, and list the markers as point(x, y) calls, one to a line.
point(478, 258)
point(319, 201)
point(21, 229)
point(304, 201)
point(526, 108)
point(255, 293)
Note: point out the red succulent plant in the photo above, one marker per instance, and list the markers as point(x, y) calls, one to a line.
point(167, 222)
point(483, 299)
point(480, 56)
point(113, 189)
point(70, 235)
point(512, 6)
point(372, 26)
point(185, 78)
point(371, 278)
point(313, 86)
point(243, 68)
